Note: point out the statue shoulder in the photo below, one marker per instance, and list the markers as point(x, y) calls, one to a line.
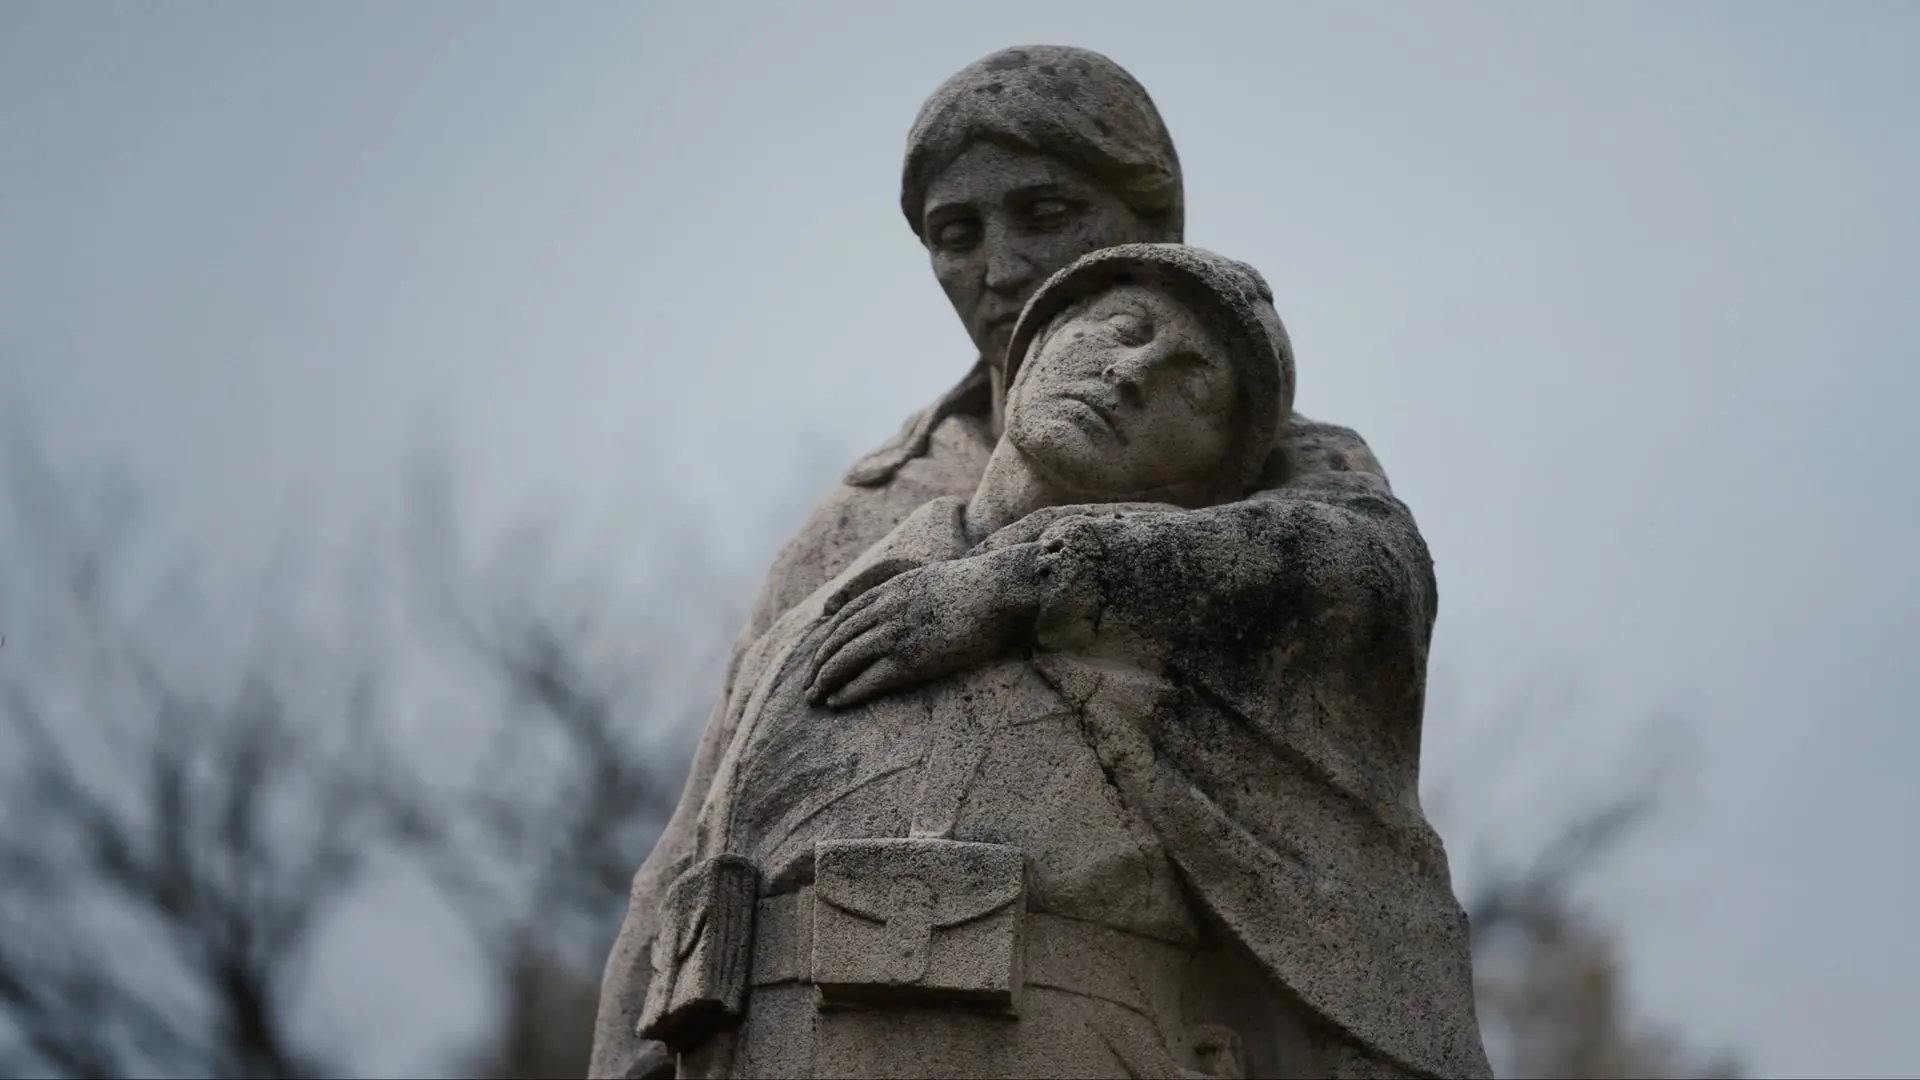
point(962, 405)
point(879, 465)
point(1310, 450)
point(855, 515)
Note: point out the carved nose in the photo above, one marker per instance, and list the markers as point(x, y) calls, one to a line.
point(1006, 271)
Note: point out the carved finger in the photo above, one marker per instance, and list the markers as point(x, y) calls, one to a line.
point(882, 675)
point(1029, 528)
point(821, 654)
point(1024, 531)
point(854, 623)
point(837, 668)
point(860, 625)
point(839, 613)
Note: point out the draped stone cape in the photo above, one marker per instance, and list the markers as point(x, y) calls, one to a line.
point(1271, 737)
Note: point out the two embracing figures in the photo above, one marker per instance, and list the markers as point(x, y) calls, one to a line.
point(1077, 733)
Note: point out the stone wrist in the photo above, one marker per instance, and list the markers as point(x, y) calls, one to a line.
point(1070, 598)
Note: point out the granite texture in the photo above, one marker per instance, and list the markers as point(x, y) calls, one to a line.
point(1077, 732)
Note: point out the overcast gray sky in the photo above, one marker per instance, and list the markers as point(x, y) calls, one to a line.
point(1620, 293)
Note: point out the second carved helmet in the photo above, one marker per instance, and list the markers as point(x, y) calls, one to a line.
point(1232, 299)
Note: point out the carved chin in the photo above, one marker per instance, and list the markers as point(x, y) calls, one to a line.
point(1070, 452)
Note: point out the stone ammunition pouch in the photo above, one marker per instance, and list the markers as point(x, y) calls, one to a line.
point(703, 953)
point(918, 920)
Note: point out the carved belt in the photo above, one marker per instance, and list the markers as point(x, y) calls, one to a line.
point(895, 920)
point(892, 922)
point(1073, 955)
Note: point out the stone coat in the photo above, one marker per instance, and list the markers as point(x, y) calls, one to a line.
point(1264, 720)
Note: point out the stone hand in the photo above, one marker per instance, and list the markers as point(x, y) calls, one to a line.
point(925, 623)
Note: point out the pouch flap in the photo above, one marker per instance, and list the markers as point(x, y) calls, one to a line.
point(953, 881)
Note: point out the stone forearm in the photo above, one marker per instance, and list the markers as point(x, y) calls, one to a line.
point(1237, 576)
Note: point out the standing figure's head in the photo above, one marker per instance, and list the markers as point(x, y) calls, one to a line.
point(1025, 161)
point(1150, 371)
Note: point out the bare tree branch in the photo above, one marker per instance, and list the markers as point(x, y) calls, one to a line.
point(158, 918)
point(1551, 996)
point(577, 821)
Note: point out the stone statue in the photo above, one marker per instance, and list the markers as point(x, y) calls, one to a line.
point(1077, 733)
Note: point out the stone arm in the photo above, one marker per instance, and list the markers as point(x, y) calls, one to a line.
point(1252, 676)
point(1326, 532)
point(1255, 573)
point(1325, 576)
point(1310, 457)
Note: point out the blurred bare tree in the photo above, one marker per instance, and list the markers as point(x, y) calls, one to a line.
point(1553, 1000)
point(170, 844)
point(173, 840)
point(600, 711)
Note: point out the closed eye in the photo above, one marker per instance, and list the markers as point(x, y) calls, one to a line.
point(956, 234)
point(1131, 329)
point(1049, 213)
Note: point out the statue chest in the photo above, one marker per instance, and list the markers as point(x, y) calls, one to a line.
point(992, 756)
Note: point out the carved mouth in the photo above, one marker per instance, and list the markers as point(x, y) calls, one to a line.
point(1099, 411)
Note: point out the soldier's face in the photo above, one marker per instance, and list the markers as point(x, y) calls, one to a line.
point(1128, 394)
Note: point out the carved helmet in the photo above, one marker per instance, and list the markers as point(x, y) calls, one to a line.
point(1232, 300)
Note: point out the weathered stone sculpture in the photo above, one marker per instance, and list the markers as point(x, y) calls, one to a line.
point(1078, 732)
